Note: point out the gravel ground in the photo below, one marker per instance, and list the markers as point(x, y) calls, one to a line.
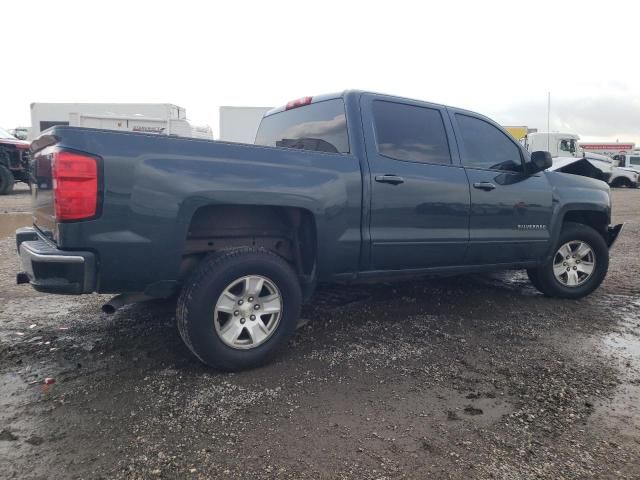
point(468, 377)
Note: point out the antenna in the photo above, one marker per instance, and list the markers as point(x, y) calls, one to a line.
point(548, 120)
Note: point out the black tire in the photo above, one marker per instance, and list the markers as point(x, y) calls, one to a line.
point(6, 180)
point(198, 299)
point(622, 182)
point(544, 279)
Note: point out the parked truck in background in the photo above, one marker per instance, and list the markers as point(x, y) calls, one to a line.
point(159, 117)
point(140, 123)
point(630, 161)
point(347, 187)
point(14, 162)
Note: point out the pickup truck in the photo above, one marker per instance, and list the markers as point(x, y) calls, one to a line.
point(348, 187)
point(14, 162)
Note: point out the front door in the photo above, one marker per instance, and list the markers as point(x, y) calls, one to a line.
point(419, 191)
point(510, 211)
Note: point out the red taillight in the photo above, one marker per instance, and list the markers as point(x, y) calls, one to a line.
point(75, 186)
point(298, 102)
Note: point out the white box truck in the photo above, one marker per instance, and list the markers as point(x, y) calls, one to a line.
point(163, 118)
point(240, 124)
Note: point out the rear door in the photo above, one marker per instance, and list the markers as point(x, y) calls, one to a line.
point(510, 210)
point(419, 192)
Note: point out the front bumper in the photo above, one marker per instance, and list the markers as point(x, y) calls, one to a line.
point(613, 232)
point(51, 270)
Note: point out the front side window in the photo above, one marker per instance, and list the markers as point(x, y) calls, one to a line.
point(487, 147)
point(318, 126)
point(407, 132)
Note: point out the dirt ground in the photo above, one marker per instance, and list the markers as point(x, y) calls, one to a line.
point(468, 377)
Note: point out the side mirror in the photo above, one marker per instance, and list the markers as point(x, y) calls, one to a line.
point(539, 161)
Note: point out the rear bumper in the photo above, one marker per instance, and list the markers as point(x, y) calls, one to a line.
point(51, 270)
point(613, 233)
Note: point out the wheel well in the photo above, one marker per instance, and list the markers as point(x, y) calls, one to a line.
point(599, 221)
point(289, 232)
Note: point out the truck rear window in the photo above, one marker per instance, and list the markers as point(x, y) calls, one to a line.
point(320, 126)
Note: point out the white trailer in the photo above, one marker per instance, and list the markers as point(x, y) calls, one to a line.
point(240, 124)
point(136, 123)
point(46, 115)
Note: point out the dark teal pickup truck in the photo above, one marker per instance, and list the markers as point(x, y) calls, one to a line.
point(337, 188)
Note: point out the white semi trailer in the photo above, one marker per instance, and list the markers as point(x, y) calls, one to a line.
point(161, 118)
point(240, 124)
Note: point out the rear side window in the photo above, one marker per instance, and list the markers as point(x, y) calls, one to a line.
point(407, 132)
point(319, 126)
point(487, 147)
point(634, 160)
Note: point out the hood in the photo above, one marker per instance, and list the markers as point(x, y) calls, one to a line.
point(15, 142)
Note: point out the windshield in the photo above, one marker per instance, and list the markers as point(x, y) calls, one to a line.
point(568, 146)
point(6, 135)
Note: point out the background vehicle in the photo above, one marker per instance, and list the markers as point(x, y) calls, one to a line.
point(337, 188)
point(618, 176)
point(14, 161)
point(240, 124)
point(116, 116)
point(139, 123)
point(630, 161)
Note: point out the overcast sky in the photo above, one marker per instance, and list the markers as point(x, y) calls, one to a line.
point(497, 58)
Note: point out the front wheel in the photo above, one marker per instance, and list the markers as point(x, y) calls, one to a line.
point(239, 308)
point(578, 266)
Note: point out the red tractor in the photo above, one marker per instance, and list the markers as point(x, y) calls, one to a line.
point(14, 161)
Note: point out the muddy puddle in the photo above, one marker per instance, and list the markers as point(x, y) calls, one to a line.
point(622, 412)
point(9, 222)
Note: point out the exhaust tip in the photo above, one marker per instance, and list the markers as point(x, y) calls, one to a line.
point(108, 309)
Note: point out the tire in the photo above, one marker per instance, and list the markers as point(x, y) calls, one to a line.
point(6, 180)
point(200, 313)
point(623, 182)
point(559, 284)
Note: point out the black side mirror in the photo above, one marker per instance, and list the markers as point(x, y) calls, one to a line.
point(539, 161)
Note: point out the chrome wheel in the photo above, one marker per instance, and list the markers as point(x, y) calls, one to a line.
point(574, 263)
point(248, 312)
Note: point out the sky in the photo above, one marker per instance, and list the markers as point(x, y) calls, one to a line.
point(499, 58)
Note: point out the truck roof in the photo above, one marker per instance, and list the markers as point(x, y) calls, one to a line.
point(346, 93)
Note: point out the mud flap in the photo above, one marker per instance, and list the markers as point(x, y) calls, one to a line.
point(613, 233)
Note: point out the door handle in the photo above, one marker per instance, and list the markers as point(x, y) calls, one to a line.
point(392, 179)
point(484, 186)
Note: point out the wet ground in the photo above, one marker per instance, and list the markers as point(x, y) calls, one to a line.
point(470, 377)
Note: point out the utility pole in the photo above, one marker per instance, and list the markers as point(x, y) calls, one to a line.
point(548, 120)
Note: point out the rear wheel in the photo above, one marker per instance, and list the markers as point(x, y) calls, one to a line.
point(239, 308)
point(577, 267)
point(6, 180)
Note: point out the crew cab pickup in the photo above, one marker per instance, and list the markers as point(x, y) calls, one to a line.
point(337, 188)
